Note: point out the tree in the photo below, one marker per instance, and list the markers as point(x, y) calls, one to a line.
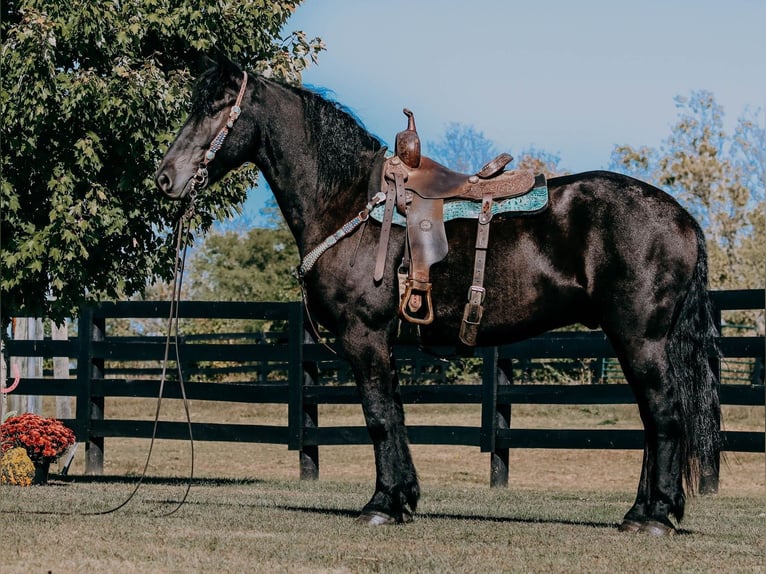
point(256, 266)
point(465, 149)
point(90, 98)
point(253, 265)
point(540, 161)
point(720, 178)
point(462, 148)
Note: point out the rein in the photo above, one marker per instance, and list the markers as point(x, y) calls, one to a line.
point(183, 229)
point(197, 183)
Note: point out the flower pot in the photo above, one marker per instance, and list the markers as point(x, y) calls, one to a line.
point(41, 472)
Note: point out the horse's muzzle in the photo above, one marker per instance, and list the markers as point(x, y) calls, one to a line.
point(167, 185)
point(164, 182)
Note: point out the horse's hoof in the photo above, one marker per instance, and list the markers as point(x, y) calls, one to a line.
point(655, 528)
point(630, 526)
point(375, 518)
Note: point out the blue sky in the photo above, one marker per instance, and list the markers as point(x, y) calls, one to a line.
point(570, 77)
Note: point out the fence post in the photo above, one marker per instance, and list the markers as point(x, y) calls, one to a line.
point(61, 371)
point(29, 367)
point(499, 466)
point(89, 407)
point(488, 398)
point(709, 468)
point(492, 418)
point(295, 377)
point(309, 454)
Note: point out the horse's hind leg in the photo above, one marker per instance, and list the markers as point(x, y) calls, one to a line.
point(636, 516)
point(660, 492)
point(396, 486)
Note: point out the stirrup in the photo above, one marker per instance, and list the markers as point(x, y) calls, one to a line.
point(425, 289)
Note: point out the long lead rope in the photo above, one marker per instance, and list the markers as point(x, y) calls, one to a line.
point(182, 234)
point(197, 182)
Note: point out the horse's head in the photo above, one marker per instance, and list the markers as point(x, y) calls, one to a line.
point(209, 144)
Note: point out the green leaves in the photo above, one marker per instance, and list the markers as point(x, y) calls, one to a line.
point(256, 266)
point(90, 99)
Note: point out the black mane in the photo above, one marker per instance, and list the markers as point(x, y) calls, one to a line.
point(344, 139)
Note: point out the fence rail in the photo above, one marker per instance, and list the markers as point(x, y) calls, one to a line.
point(299, 362)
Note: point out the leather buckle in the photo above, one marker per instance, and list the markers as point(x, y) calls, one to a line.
point(476, 295)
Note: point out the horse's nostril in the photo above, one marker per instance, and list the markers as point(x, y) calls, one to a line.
point(164, 182)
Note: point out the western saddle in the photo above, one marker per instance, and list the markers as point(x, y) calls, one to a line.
point(417, 187)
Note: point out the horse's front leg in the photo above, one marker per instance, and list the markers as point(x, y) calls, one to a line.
point(396, 486)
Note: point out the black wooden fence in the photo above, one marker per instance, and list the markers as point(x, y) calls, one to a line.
point(302, 390)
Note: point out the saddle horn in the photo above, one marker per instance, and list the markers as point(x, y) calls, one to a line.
point(407, 145)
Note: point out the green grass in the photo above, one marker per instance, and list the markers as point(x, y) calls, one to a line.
point(293, 526)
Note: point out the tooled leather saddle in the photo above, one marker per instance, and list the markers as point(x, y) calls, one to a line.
point(418, 187)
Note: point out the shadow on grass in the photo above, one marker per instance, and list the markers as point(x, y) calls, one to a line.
point(154, 480)
point(58, 480)
point(469, 517)
point(456, 517)
point(354, 513)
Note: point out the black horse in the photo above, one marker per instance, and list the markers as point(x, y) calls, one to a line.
point(609, 252)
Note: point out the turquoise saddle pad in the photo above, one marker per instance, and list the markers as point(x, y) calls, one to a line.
point(536, 199)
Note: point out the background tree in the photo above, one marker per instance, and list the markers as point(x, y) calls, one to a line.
point(540, 161)
point(230, 265)
point(462, 148)
point(719, 177)
point(466, 149)
point(253, 266)
point(90, 98)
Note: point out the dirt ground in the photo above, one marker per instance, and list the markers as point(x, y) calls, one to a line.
point(560, 470)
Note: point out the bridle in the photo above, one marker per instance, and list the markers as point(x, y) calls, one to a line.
point(199, 180)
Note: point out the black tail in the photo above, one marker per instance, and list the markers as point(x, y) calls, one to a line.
point(691, 344)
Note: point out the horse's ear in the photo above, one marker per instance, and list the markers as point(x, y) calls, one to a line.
point(203, 62)
point(218, 57)
point(200, 62)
